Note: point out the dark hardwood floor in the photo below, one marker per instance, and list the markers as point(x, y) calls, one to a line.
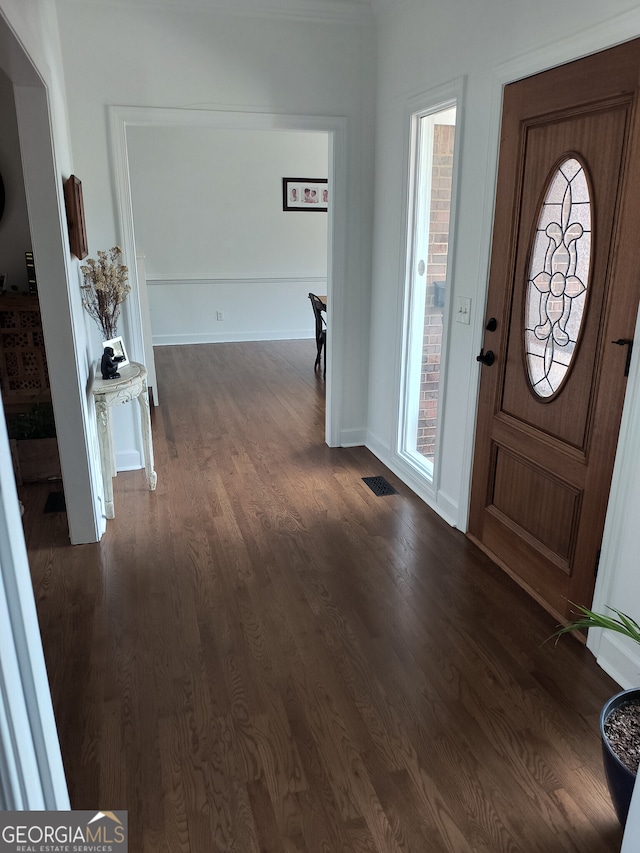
point(263, 655)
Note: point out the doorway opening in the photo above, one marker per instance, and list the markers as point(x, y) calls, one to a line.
point(128, 125)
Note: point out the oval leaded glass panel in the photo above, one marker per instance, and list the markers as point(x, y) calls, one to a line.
point(558, 278)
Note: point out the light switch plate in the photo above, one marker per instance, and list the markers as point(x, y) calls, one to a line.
point(463, 310)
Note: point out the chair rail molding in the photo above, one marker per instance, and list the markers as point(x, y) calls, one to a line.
point(307, 281)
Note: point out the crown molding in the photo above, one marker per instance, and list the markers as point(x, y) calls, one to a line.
point(320, 11)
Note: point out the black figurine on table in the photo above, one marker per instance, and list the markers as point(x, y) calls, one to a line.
point(109, 364)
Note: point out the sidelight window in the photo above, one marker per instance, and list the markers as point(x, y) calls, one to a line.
point(431, 181)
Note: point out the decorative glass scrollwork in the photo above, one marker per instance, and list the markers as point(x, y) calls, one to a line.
point(558, 278)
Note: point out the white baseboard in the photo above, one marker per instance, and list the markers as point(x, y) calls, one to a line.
point(448, 508)
point(617, 660)
point(129, 460)
point(234, 337)
point(440, 503)
point(352, 437)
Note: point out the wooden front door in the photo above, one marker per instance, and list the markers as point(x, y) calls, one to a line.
point(564, 286)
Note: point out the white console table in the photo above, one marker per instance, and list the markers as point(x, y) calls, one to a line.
point(107, 393)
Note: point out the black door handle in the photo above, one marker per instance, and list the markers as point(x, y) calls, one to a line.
point(625, 342)
point(492, 324)
point(486, 357)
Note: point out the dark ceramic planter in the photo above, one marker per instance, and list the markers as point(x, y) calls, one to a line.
point(619, 778)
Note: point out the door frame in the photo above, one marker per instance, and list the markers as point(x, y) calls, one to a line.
point(621, 29)
point(564, 451)
point(32, 773)
point(122, 117)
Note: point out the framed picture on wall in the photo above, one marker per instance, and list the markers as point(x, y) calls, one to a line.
point(305, 194)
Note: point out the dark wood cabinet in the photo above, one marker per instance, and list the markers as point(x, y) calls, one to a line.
point(26, 395)
point(24, 378)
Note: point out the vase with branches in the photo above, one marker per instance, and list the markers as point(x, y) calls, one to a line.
point(104, 289)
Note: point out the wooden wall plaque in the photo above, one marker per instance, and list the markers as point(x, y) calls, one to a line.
point(75, 217)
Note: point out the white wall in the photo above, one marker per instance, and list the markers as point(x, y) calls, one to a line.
point(618, 582)
point(207, 207)
point(208, 202)
point(31, 770)
point(15, 238)
point(29, 55)
point(191, 58)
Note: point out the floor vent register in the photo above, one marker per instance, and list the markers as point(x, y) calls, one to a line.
point(379, 486)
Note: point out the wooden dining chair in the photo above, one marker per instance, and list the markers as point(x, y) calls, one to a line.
point(321, 333)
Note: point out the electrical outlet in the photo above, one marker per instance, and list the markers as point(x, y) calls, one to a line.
point(219, 315)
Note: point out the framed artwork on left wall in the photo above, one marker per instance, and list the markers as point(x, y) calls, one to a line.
point(74, 205)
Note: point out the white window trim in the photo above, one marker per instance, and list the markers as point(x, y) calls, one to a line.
point(418, 106)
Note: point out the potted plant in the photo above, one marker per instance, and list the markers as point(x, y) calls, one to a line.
point(620, 717)
point(33, 443)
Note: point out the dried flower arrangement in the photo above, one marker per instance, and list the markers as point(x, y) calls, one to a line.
point(105, 288)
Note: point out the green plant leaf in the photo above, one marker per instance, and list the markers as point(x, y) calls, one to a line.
point(621, 623)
